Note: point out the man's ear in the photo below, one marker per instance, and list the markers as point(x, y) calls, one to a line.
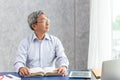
point(34, 26)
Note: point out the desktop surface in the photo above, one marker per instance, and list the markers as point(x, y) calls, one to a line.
point(44, 78)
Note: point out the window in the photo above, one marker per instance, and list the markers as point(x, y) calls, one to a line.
point(104, 42)
point(100, 33)
point(115, 29)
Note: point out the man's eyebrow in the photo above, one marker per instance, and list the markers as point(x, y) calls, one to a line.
point(43, 18)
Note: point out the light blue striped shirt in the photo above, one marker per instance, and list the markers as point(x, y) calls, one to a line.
point(33, 52)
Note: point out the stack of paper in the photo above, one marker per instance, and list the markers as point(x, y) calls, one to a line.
point(10, 77)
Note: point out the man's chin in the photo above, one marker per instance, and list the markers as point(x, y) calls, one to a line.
point(46, 31)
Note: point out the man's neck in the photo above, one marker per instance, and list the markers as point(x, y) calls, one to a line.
point(40, 36)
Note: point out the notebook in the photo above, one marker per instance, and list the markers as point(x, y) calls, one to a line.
point(97, 73)
point(80, 74)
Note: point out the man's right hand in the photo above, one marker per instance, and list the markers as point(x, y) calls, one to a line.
point(24, 71)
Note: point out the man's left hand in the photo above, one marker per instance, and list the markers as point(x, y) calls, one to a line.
point(62, 70)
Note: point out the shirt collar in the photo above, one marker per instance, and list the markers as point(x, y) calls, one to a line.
point(47, 37)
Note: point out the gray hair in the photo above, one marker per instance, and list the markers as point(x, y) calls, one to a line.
point(32, 18)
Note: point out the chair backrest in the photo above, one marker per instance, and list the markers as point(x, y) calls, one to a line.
point(111, 70)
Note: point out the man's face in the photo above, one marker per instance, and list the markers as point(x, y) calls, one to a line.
point(42, 24)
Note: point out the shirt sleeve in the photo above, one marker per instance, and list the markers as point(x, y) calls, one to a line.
point(62, 59)
point(21, 55)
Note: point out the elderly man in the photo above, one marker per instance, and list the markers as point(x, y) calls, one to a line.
point(40, 49)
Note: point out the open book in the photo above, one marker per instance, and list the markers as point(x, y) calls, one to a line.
point(47, 71)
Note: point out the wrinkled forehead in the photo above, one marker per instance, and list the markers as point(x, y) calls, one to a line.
point(41, 17)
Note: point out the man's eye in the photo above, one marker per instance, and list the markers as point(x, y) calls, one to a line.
point(43, 20)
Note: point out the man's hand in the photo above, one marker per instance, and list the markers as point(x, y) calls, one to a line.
point(62, 70)
point(24, 71)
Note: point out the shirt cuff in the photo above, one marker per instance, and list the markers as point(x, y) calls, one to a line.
point(64, 65)
point(18, 66)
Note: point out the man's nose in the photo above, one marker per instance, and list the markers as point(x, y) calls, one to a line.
point(47, 22)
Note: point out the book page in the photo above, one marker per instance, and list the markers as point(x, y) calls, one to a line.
point(46, 71)
point(49, 69)
point(36, 70)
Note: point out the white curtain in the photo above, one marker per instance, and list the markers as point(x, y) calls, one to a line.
point(100, 33)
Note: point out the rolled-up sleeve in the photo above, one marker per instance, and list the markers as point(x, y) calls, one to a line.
point(61, 59)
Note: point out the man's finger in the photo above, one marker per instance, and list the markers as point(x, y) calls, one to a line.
point(59, 70)
point(63, 71)
point(24, 71)
point(21, 73)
